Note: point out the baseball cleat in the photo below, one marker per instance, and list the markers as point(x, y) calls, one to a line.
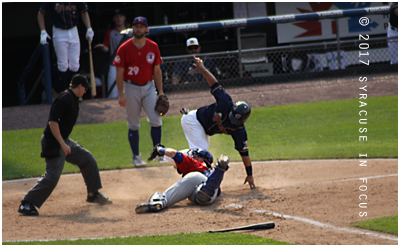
point(138, 162)
point(99, 198)
point(161, 159)
point(27, 208)
point(149, 207)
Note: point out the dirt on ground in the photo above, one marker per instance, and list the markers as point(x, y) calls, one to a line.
point(311, 202)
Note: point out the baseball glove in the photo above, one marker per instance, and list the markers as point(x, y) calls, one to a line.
point(162, 105)
point(154, 152)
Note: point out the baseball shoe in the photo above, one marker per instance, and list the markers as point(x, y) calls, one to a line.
point(27, 208)
point(137, 161)
point(184, 111)
point(149, 207)
point(99, 198)
point(161, 159)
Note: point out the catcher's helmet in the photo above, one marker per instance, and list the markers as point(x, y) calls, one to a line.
point(240, 112)
point(208, 158)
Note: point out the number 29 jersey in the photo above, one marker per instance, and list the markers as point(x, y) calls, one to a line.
point(138, 63)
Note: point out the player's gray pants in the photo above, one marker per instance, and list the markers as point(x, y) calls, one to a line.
point(185, 187)
point(79, 156)
point(138, 97)
point(207, 192)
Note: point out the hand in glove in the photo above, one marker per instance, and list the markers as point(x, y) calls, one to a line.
point(90, 34)
point(43, 37)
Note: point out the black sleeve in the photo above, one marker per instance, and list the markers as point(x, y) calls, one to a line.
point(58, 110)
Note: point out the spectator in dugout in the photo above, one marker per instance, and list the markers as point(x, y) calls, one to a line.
point(112, 40)
point(185, 72)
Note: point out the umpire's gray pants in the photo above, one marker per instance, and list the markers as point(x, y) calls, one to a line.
point(79, 156)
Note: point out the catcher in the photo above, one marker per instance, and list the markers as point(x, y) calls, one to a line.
point(199, 183)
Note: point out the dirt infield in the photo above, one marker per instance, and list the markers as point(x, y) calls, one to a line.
point(323, 191)
point(311, 202)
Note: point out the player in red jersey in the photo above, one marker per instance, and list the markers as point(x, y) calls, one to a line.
point(199, 183)
point(138, 74)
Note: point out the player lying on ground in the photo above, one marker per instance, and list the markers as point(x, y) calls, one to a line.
point(199, 183)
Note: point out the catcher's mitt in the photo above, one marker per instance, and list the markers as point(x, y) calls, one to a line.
point(154, 152)
point(162, 105)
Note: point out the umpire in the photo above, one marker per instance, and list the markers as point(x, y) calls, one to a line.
point(57, 148)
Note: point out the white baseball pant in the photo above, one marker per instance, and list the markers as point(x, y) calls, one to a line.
point(194, 131)
point(67, 47)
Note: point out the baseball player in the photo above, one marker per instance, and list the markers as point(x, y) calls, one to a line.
point(222, 117)
point(65, 18)
point(111, 42)
point(392, 31)
point(198, 183)
point(138, 62)
point(57, 148)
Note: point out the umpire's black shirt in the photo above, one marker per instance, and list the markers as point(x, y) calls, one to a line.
point(64, 111)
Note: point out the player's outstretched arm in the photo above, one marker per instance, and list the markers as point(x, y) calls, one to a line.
point(249, 178)
point(199, 64)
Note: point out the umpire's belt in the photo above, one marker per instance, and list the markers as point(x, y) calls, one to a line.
point(136, 84)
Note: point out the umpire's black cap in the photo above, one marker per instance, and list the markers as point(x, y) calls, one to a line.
point(80, 80)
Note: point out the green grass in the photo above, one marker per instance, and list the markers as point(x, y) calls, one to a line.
point(318, 130)
point(171, 239)
point(385, 224)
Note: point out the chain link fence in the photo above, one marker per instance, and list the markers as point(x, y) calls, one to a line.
point(327, 60)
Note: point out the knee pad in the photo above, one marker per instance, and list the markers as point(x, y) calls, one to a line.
point(204, 195)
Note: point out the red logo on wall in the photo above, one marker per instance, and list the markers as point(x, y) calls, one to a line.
point(314, 28)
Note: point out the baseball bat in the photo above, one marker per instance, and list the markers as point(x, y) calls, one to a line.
point(265, 225)
point(92, 77)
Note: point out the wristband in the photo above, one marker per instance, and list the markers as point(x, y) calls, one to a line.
point(249, 170)
point(161, 151)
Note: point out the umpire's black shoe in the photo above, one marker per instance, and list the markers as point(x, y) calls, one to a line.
point(27, 208)
point(98, 197)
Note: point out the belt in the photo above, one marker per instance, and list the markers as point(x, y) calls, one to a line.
point(62, 28)
point(136, 84)
point(393, 28)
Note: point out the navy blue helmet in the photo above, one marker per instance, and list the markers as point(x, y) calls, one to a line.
point(208, 158)
point(240, 112)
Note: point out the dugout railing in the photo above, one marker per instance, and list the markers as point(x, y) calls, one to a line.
point(272, 64)
point(285, 63)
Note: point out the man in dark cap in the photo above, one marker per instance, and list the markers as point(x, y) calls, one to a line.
point(57, 148)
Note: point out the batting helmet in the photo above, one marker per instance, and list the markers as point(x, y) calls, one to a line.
point(208, 158)
point(240, 112)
